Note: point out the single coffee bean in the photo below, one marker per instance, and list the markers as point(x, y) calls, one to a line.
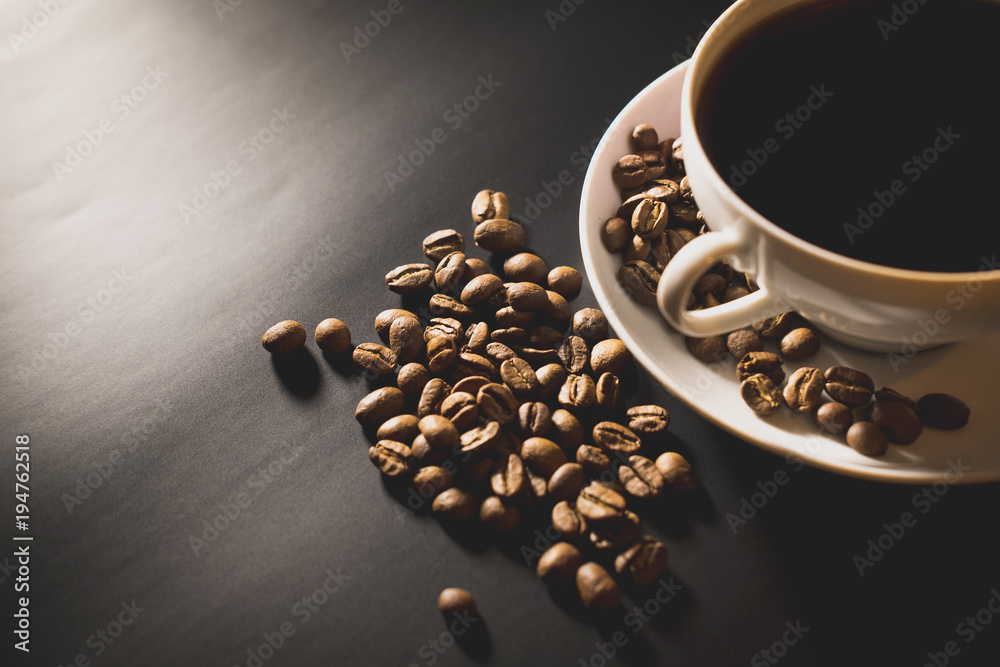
point(644, 138)
point(656, 165)
point(676, 472)
point(833, 417)
point(596, 587)
point(477, 337)
point(849, 386)
point(567, 520)
point(439, 432)
point(284, 337)
point(557, 307)
point(481, 438)
point(645, 560)
point(406, 339)
point(708, 350)
point(379, 406)
point(887, 394)
point(628, 206)
point(442, 243)
point(525, 267)
point(709, 283)
point(500, 235)
point(469, 363)
point(799, 344)
point(610, 356)
point(617, 534)
point(434, 393)
point(761, 394)
point(765, 363)
point(636, 250)
point(447, 327)
point(598, 503)
point(461, 409)
point(542, 455)
point(385, 319)
point(559, 563)
point(550, 378)
point(449, 272)
point(867, 438)
point(607, 392)
point(648, 418)
point(639, 279)
point(613, 437)
point(511, 317)
point(574, 354)
point(641, 477)
point(674, 240)
point(480, 288)
point(578, 392)
point(776, 327)
point(565, 280)
point(412, 378)
point(393, 459)
point(518, 374)
point(432, 480)
point(497, 402)
point(804, 390)
point(593, 459)
point(423, 453)
point(943, 411)
point(489, 205)
point(474, 267)
point(470, 385)
point(409, 278)
point(900, 424)
point(663, 189)
point(333, 336)
point(498, 353)
point(457, 602)
point(732, 293)
point(615, 234)
point(476, 472)
point(545, 338)
point(526, 296)
point(566, 429)
point(536, 356)
point(684, 212)
point(677, 156)
point(660, 249)
point(742, 342)
point(566, 482)
point(649, 219)
point(629, 171)
point(536, 490)
point(401, 428)
point(455, 503)
point(590, 324)
point(447, 306)
point(709, 301)
point(498, 515)
point(534, 418)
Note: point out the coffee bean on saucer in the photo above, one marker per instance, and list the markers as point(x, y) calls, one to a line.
point(867, 438)
point(708, 350)
point(649, 219)
point(799, 344)
point(765, 363)
point(637, 249)
point(644, 138)
point(761, 394)
point(629, 171)
point(639, 279)
point(804, 389)
point(742, 342)
point(284, 337)
point(887, 394)
point(849, 386)
point(943, 411)
point(559, 563)
point(776, 327)
point(833, 417)
point(900, 424)
point(598, 590)
point(615, 234)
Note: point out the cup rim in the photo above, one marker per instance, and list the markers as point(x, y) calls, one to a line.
point(692, 144)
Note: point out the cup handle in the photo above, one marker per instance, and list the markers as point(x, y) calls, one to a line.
point(692, 262)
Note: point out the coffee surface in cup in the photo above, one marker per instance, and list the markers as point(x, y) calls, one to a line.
point(867, 128)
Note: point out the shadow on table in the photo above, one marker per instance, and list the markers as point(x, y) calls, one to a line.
point(298, 372)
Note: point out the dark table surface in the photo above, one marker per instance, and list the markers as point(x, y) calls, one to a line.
point(132, 307)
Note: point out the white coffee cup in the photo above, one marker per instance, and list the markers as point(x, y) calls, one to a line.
point(865, 305)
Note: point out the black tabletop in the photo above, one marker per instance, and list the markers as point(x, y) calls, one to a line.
point(181, 174)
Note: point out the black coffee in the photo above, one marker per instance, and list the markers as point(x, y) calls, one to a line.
point(868, 128)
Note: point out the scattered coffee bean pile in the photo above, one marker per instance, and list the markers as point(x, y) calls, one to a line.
point(657, 217)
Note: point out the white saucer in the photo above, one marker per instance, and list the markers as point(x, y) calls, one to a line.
point(968, 370)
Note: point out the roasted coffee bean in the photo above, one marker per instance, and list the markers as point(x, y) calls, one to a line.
point(438, 431)
point(536, 356)
point(525, 267)
point(457, 602)
point(442, 243)
point(333, 336)
point(380, 405)
point(804, 390)
point(629, 171)
point(627, 208)
point(867, 438)
point(511, 317)
point(393, 459)
point(498, 353)
point(470, 385)
point(496, 402)
point(469, 363)
point(409, 278)
point(709, 283)
point(401, 428)
point(474, 267)
point(645, 560)
point(447, 306)
point(833, 417)
point(598, 503)
point(597, 588)
point(761, 394)
point(676, 472)
point(423, 453)
point(578, 392)
point(732, 293)
point(593, 459)
point(542, 455)
point(799, 344)
point(849, 386)
point(412, 378)
point(900, 424)
point(477, 337)
point(660, 249)
point(500, 235)
point(613, 437)
point(649, 219)
point(518, 374)
point(455, 503)
point(590, 324)
point(610, 356)
point(710, 349)
point(557, 307)
point(607, 392)
point(461, 409)
point(406, 339)
point(943, 411)
point(677, 156)
point(434, 393)
point(644, 138)
point(566, 482)
point(709, 301)
point(765, 363)
point(742, 342)
point(663, 189)
point(284, 337)
point(559, 563)
point(615, 234)
point(526, 296)
point(637, 249)
point(445, 326)
point(432, 480)
point(639, 279)
point(481, 288)
point(498, 515)
point(565, 280)
point(550, 379)
point(449, 272)
point(641, 477)
point(545, 338)
point(776, 327)
point(674, 240)
point(648, 418)
point(489, 205)
point(656, 166)
point(385, 319)
point(685, 186)
point(441, 353)
point(537, 489)
point(573, 354)
point(568, 521)
point(534, 418)
point(481, 438)
point(617, 534)
point(887, 394)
